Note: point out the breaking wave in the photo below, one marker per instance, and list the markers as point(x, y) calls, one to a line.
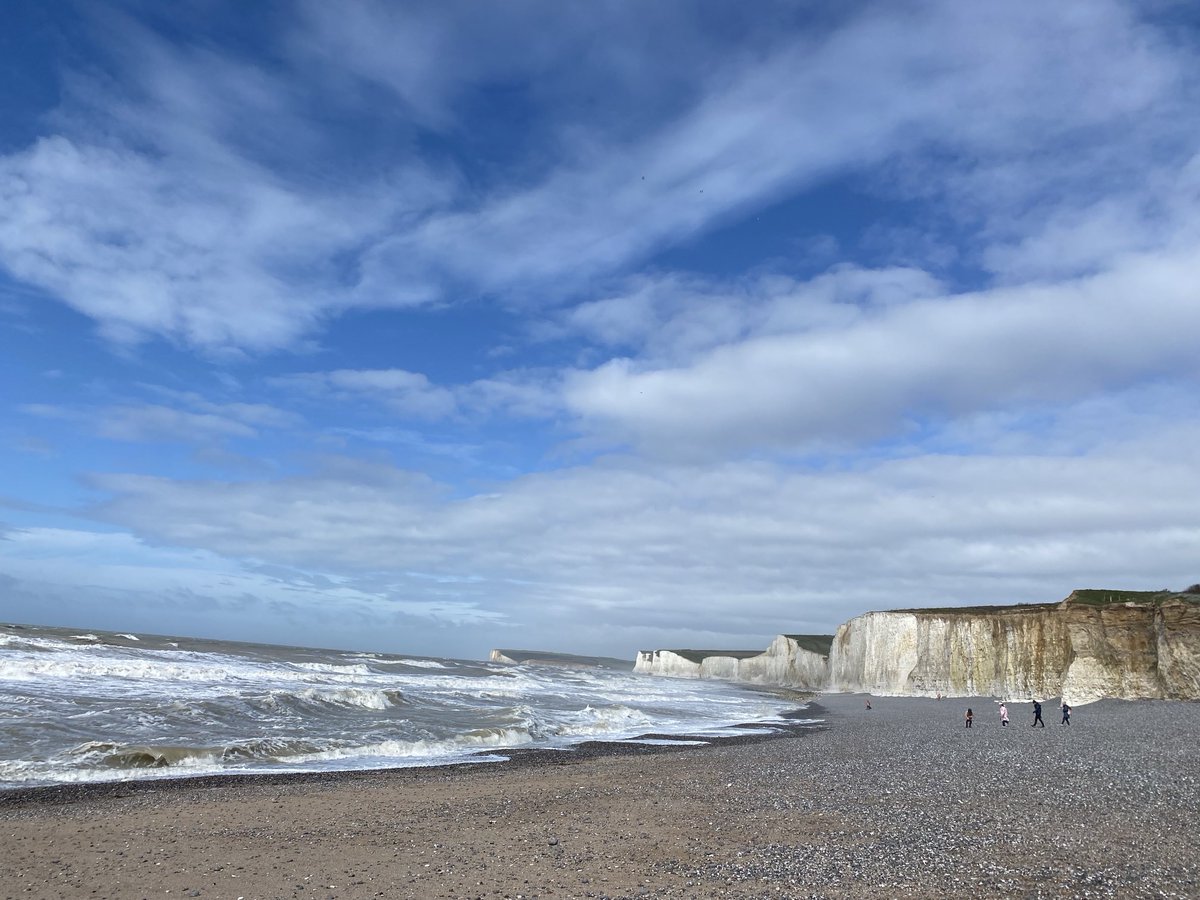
point(96, 707)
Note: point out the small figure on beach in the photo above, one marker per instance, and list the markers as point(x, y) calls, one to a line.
point(970, 716)
point(1037, 715)
point(868, 703)
point(1066, 714)
point(1003, 715)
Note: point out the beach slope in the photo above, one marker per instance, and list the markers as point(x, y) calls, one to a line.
point(898, 801)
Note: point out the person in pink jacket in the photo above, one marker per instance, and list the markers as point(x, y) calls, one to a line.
point(1003, 714)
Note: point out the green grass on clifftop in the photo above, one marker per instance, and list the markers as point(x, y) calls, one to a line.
point(1102, 597)
point(1082, 597)
point(819, 644)
point(978, 610)
point(698, 656)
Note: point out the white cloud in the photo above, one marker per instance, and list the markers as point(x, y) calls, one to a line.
point(675, 318)
point(1093, 233)
point(204, 422)
point(160, 587)
point(255, 414)
point(75, 225)
point(746, 547)
point(156, 423)
point(413, 440)
point(930, 357)
point(407, 393)
point(152, 210)
point(180, 199)
point(522, 394)
point(997, 90)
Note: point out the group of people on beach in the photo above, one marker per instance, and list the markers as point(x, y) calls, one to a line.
point(1037, 715)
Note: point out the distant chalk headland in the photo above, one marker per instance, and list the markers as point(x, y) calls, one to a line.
point(1094, 644)
point(550, 658)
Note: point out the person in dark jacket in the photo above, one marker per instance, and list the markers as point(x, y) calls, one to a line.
point(1037, 715)
point(1066, 714)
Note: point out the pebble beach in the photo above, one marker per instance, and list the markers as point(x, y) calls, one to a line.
point(896, 801)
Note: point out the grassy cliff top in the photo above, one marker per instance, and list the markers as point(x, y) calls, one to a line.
point(1083, 597)
point(976, 610)
point(698, 656)
point(1102, 597)
point(813, 643)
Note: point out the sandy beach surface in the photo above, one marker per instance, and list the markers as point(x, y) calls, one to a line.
point(897, 801)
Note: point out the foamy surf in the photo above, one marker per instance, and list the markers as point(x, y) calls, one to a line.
point(102, 707)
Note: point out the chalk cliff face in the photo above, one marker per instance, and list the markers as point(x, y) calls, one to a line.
point(791, 660)
point(1090, 646)
point(1075, 650)
point(687, 664)
point(1019, 652)
point(787, 661)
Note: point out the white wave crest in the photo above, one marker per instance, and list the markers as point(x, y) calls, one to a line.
point(149, 669)
point(608, 719)
point(363, 698)
point(332, 669)
point(420, 752)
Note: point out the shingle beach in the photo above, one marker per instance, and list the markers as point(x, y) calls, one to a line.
point(896, 801)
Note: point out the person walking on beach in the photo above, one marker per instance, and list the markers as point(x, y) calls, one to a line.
point(1037, 715)
point(970, 716)
point(1066, 714)
point(1003, 715)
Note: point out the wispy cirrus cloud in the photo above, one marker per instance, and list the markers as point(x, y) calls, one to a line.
point(408, 393)
point(171, 199)
point(764, 545)
point(516, 393)
point(176, 591)
point(141, 422)
point(675, 317)
point(867, 94)
point(861, 377)
point(254, 245)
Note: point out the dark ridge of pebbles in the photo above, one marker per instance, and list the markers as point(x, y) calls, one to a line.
point(897, 801)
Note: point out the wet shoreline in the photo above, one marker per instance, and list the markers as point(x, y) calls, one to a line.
point(517, 757)
point(899, 801)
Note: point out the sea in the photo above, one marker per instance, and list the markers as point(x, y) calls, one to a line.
point(93, 706)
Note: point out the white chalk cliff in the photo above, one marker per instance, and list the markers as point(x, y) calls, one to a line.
point(1094, 644)
point(800, 661)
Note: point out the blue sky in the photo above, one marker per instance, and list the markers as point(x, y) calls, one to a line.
point(435, 327)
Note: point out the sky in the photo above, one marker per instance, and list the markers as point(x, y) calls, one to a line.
point(434, 327)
